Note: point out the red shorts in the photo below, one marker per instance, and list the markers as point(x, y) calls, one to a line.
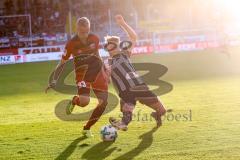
point(100, 84)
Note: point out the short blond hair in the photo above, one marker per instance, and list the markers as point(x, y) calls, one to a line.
point(83, 21)
point(114, 39)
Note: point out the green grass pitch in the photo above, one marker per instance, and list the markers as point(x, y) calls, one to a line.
point(206, 89)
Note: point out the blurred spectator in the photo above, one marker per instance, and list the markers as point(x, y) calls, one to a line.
point(9, 7)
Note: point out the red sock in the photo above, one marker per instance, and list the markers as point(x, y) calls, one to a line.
point(96, 114)
point(76, 100)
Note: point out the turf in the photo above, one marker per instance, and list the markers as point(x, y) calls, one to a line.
point(206, 93)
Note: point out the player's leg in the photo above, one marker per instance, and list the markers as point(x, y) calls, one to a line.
point(98, 111)
point(152, 101)
point(82, 99)
point(100, 88)
point(127, 110)
point(148, 98)
point(127, 104)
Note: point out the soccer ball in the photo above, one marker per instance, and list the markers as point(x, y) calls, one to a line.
point(108, 133)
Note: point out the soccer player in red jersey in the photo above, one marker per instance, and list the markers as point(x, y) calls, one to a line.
point(89, 72)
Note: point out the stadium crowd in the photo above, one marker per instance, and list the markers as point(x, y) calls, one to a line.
point(50, 21)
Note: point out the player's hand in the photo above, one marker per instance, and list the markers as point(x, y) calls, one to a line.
point(50, 86)
point(119, 19)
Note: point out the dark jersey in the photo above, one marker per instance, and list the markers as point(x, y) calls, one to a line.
point(129, 84)
point(123, 74)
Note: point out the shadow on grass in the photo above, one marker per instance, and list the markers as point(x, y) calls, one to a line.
point(70, 149)
point(99, 152)
point(147, 139)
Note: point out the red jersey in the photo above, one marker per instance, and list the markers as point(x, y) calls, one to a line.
point(84, 54)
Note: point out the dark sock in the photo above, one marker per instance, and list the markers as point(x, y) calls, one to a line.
point(127, 117)
point(76, 100)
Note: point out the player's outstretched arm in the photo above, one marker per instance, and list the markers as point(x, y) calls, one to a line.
point(128, 29)
point(57, 72)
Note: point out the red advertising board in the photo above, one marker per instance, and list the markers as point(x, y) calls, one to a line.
point(4, 52)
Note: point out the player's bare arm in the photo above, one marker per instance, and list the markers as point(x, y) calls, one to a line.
point(128, 29)
point(57, 72)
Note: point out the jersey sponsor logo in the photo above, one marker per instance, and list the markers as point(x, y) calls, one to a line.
point(82, 84)
point(92, 46)
point(131, 75)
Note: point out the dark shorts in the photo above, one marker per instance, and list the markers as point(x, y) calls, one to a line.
point(141, 94)
point(99, 85)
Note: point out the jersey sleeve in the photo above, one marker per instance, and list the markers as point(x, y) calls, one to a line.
point(67, 51)
point(96, 41)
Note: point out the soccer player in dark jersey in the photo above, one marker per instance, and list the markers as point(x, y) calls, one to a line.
point(130, 86)
point(89, 72)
